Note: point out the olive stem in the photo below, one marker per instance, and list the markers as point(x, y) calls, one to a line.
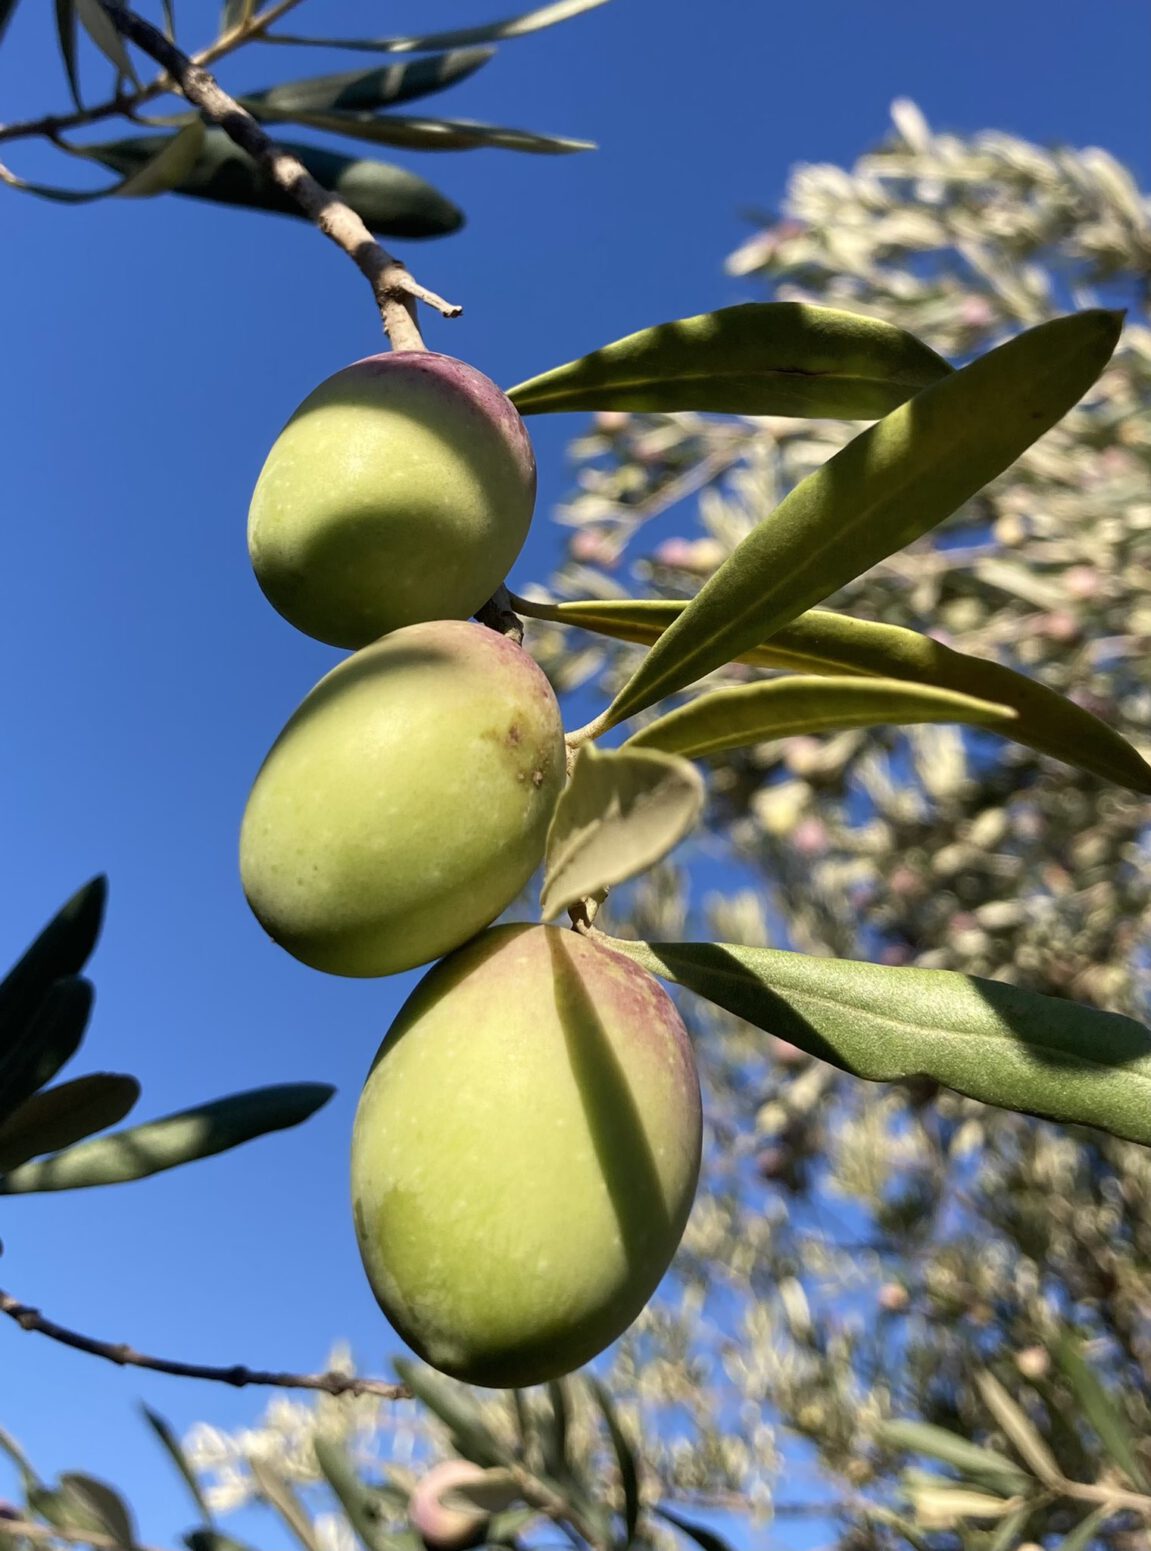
point(395, 290)
point(239, 1375)
point(499, 615)
point(599, 724)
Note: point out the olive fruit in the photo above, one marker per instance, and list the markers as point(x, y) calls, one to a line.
point(400, 491)
point(524, 1156)
point(406, 802)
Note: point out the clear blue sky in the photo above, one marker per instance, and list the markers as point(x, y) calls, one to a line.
point(151, 351)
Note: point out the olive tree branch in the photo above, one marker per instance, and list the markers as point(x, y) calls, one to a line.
point(128, 103)
point(239, 1375)
point(395, 290)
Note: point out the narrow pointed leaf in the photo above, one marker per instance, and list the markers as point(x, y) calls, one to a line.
point(50, 1039)
point(391, 201)
point(1100, 1410)
point(470, 1434)
point(622, 810)
point(66, 38)
point(1020, 1430)
point(554, 1432)
point(175, 1140)
point(9, 1446)
point(365, 91)
point(699, 1533)
point(173, 158)
point(1010, 1531)
point(939, 1507)
point(7, 7)
point(235, 14)
point(821, 641)
point(175, 1451)
point(626, 1457)
point(106, 1505)
point(494, 1493)
point(62, 949)
point(96, 23)
point(986, 1467)
point(1038, 1054)
point(278, 1493)
point(1083, 1535)
point(429, 134)
point(889, 486)
point(363, 1506)
point(759, 358)
point(58, 1117)
point(780, 708)
point(494, 32)
point(213, 1540)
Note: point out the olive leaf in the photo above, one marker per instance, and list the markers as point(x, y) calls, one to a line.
point(887, 487)
point(362, 1506)
point(759, 358)
point(1020, 1430)
point(626, 1457)
point(1083, 1535)
point(361, 91)
point(390, 201)
point(941, 1506)
point(821, 641)
point(622, 810)
point(103, 1503)
point(47, 1042)
point(171, 162)
point(991, 1041)
point(986, 1467)
point(175, 1450)
point(702, 1536)
point(66, 38)
point(58, 1117)
point(780, 708)
point(277, 1492)
point(450, 1402)
point(172, 1141)
point(7, 8)
point(62, 949)
point(428, 134)
point(493, 32)
point(100, 28)
point(1100, 1410)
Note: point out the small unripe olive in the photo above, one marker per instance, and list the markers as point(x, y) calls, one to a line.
point(525, 1154)
point(406, 802)
point(400, 491)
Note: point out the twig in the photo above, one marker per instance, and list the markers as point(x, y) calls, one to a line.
point(395, 290)
point(239, 1375)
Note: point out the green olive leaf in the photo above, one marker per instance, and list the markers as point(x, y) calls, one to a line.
point(821, 641)
point(364, 91)
point(1083, 1535)
point(622, 810)
point(66, 39)
point(100, 28)
point(626, 1457)
point(887, 487)
point(1100, 1409)
point(1020, 1430)
point(493, 32)
point(391, 201)
point(104, 1504)
point(362, 1505)
point(7, 8)
point(429, 134)
point(58, 1117)
point(172, 160)
point(48, 1041)
point(278, 1492)
point(780, 708)
point(759, 358)
point(993, 1042)
point(986, 1467)
point(453, 1405)
point(941, 1506)
point(235, 14)
point(703, 1537)
point(175, 1451)
point(172, 1141)
point(62, 949)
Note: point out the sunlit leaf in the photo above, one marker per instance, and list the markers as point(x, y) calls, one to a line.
point(939, 1507)
point(450, 1402)
point(1019, 1428)
point(626, 1458)
point(781, 708)
point(235, 14)
point(893, 483)
point(58, 1117)
point(106, 1505)
point(175, 1140)
point(175, 1450)
point(621, 811)
point(428, 134)
point(278, 1493)
point(493, 32)
point(1038, 1054)
point(986, 1467)
point(49, 1040)
point(391, 201)
point(365, 91)
point(760, 358)
point(821, 641)
point(97, 24)
point(1099, 1409)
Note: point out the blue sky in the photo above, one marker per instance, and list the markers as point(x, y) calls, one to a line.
point(151, 351)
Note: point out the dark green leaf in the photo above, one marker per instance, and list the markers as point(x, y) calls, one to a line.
point(66, 38)
point(51, 1038)
point(7, 7)
point(365, 91)
point(891, 484)
point(105, 1504)
point(824, 642)
point(554, 1432)
point(173, 1141)
point(452, 1404)
point(984, 1467)
point(780, 708)
point(62, 949)
point(627, 1459)
point(622, 810)
point(212, 1540)
point(434, 134)
point(391, 201)
point(58, 1117)
point(1038, 1054)
point(278, 1493)
point(361, 1504)
point(1100, 1410)
point(183, 1464)
point(493, 32)
point(707, 1538)
point(760, 358)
